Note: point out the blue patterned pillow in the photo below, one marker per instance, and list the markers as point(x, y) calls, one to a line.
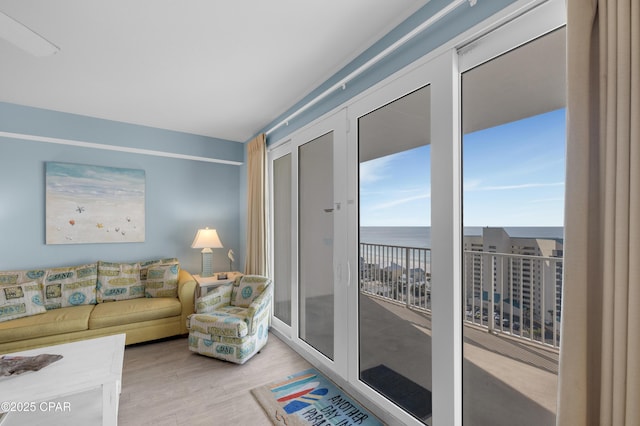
point(20, 300)
point(70, 286)
point(162, 281)
point(248, 288)
point(119, 281)
point(19, 277)
point(144, 266)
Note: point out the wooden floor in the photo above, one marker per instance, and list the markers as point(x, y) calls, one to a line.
point(163, 383)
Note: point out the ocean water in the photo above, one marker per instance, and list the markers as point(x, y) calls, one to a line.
point(420, 236)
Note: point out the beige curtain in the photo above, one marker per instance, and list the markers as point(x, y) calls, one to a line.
point(255, 261)
point(599, 377)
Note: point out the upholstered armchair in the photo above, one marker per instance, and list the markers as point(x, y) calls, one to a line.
point(232, 321)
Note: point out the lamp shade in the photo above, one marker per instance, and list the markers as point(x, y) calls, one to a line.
point(206, 238)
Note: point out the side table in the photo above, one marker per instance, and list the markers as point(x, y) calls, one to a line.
point(205, 284)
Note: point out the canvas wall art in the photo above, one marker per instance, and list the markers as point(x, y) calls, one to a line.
point(94, 204)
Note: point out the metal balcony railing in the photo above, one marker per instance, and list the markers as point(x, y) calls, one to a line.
point(514, 294)
point(400, 274)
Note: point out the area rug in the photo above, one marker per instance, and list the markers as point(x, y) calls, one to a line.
point(309, 398)
point(403, 391)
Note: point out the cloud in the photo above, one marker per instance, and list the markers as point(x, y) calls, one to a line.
point(471, 184)
point(385, 191)
point(399, 201)
point(374, 170)
point(408, 190)
point(474, 186)
point(545, 200)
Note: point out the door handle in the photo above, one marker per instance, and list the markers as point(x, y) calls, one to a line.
point(331, 210)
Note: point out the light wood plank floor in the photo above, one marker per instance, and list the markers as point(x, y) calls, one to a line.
point(163, 383)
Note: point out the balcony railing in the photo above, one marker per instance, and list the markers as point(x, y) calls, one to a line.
point(400, 274)
point(517, 295)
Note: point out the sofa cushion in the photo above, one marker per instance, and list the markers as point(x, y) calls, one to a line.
point(132, 311)
point(119, 281)
point(57, 321)
point(144, 266)
point(70, 286)
point(247, 288)
point(20, 300)
point(162, 281)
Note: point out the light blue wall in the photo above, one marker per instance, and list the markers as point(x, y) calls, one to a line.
point(458, 21)
point(181, 195)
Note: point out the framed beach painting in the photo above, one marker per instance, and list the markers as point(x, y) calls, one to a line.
point(94, 204)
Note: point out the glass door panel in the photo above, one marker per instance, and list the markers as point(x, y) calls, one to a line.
point(315, 236)
point(282, 238)
point(394, 320)
point(513, 148)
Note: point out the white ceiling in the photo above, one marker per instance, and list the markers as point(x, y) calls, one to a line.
point(217, 68)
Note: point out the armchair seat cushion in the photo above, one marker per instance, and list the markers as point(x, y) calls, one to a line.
point(231, 349)
point(219, 323)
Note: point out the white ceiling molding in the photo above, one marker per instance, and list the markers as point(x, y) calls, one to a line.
point(25, 38)
point(93, 145)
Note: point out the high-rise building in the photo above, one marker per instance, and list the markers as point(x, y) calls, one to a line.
point(521, 275)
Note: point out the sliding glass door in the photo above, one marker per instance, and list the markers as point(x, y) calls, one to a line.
point(513, 154)
point(394, 249)
point(282, 233)
point(308, 212)
point(366, 227)
point(315, 232)
point(381, 291)
point(394, 143)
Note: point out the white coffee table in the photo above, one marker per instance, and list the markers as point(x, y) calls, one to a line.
point(86, 379)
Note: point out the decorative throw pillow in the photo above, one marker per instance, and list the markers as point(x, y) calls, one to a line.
point(20, 300)
point(19, 277)
point(144, 266)
point(70, 286)
point(119, 281)
point(162, 281)
point(248, 288)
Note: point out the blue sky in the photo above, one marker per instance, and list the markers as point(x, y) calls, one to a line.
point(513, 175)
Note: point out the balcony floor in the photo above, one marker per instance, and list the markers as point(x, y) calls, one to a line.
point(505, 381)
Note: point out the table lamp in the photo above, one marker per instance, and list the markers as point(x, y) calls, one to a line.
point(206, 239)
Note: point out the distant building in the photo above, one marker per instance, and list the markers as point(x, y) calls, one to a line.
point(393, 271)
point(521, 279)
point(417, 275)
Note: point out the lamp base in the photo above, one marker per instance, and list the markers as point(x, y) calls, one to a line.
point(207, 263)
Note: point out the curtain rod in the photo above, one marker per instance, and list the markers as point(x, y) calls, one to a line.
point(371, 62)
